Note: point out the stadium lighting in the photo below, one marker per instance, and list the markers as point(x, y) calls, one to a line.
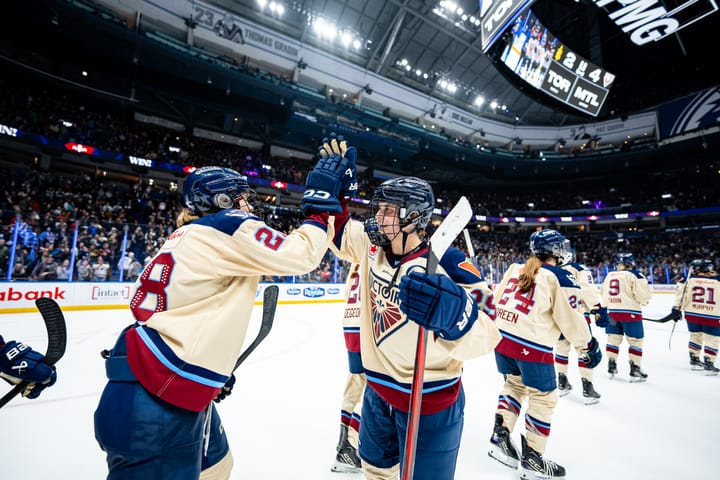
point(262, 3)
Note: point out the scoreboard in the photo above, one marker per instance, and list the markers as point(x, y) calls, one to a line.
point(534, 54)
point(496, 16)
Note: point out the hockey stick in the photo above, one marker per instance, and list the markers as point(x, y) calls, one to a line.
point(664, 319)
point(680, 305)
point(270, 296)
point(469, 245)
point(57, 340)
point(440, 241)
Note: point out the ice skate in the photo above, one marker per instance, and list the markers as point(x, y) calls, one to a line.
point(535, 467)
point(346, 460)
point(696, 363)
point(636, 374)
point(564, 387)
point(502, 447)
point(612, 367)
point(591, 396)
point(710, 368)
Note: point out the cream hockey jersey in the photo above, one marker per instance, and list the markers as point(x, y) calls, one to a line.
point(624, 292)
point(193, 301)
point(700, 300)
point(531, 322)
point(388, 338)
point(589, 295)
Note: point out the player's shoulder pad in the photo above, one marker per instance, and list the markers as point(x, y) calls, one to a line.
point(636, 273)
point(459, 268)
point(226, 221)
point(578, 266)
point(565, 278)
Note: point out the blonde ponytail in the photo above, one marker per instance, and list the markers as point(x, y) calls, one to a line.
point(528, 273)
point(184, 217)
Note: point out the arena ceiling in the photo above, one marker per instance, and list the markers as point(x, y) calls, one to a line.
point(421, 42)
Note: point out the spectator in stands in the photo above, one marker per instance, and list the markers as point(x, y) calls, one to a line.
point(63, 270)
point(46, 269)
point(84, 269)
point(100, 270)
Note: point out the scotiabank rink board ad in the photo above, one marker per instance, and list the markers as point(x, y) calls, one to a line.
point(20, 297)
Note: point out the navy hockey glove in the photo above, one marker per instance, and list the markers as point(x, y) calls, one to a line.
point(602, 318)
point(226, 390)
point(20, 363)
point(593, 356)
point(675, 314)
point(438, 304)
point(337, 144)
point(324, 184)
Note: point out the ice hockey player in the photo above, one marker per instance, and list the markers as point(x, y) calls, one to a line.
point(590, 307)
point(624, 292)
point(397, 297)
point(20, 363)
point(192, 305)
point(535, 302)
point(346, 458)
point(697, 301)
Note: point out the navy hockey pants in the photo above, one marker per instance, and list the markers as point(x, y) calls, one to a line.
point(145, 437)
point(382, 437)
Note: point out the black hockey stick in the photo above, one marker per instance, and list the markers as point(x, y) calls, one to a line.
point(440, 241)
point(57, 340)
point(664, 319)
point(270, 296)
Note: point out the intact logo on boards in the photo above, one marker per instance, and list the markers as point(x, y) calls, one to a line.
point(107, 292)
point(333, 291)
point(314, 292)
point(293, 291)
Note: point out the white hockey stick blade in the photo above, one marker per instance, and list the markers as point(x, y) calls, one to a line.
point(451, 227)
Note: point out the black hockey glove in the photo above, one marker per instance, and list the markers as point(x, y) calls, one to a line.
point(226, 390)
point(593, 356)
point(675, 314)
point(20, 363)
point(602, 318)
point(337, 145)
point(324, 184)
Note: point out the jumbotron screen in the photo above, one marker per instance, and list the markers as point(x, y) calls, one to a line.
point(534, 54)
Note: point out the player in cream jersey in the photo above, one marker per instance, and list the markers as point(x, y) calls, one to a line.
point(624, 292)
point(346, 459)
point(192, 306)
point(591, 309)
point(397, 295)
point(698, 300)
point(535, 302)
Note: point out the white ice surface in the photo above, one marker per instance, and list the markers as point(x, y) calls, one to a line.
point(282, 418)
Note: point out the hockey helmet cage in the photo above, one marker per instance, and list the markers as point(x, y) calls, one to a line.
point(551, 242)
point(702, 265)
point(627, 259)
point(210, 189)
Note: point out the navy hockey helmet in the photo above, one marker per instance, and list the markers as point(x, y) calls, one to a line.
point(413, 195)
point(210, 189)
point(550, 242)
point(702, 265)
point(414, 198)
point(627, 259)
